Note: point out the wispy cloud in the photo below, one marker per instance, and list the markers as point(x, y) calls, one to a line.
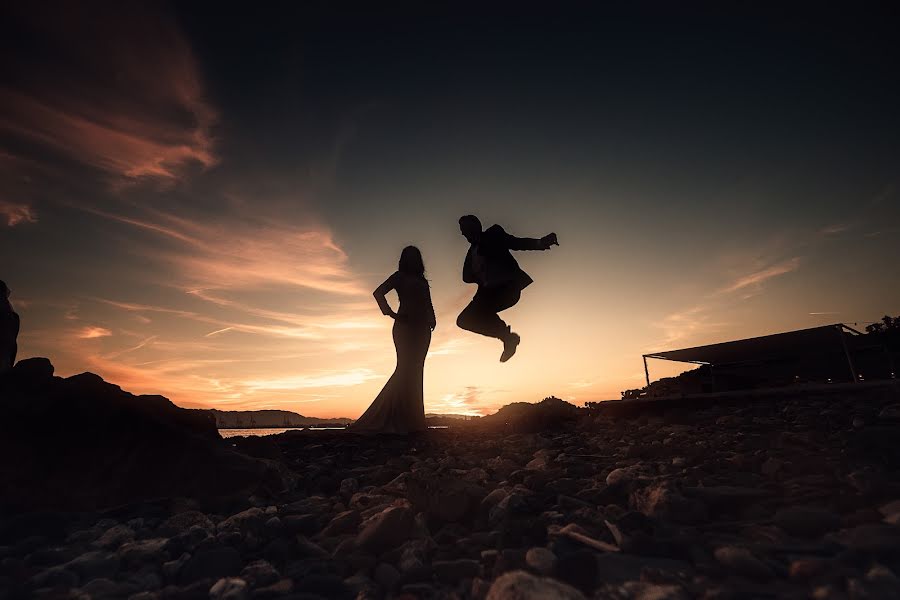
point(244, 254)
point(16, 214)
point(692, 323)
point(92, 332)
point(148, 121)
point(348, 378)
point(761, 276)
point(835, 228)
point(697, 322)
point(467, 401)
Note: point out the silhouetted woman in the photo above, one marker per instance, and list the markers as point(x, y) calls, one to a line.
point(399, 408)
point(9, 330)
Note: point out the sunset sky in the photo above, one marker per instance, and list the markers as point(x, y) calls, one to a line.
point(198, 203)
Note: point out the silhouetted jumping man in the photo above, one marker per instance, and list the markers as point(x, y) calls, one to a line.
point(499, 278)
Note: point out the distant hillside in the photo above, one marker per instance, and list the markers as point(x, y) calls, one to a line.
point(268, 418)
point(446, 416)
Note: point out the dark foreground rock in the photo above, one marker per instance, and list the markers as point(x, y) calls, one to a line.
point(784, 497)
point(82, 443)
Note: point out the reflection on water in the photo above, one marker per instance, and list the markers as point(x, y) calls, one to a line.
point(227, 433)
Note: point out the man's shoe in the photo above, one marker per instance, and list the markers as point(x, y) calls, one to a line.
point(509, 346)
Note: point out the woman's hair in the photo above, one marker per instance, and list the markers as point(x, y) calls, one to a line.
point(411, 262)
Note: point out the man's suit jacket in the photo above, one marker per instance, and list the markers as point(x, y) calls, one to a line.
point(491, 256)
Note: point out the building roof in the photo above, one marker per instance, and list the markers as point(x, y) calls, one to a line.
point(779, 346)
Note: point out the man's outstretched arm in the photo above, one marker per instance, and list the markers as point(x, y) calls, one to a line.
point(544, 243)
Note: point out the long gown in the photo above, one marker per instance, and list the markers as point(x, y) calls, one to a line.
point(399, 408)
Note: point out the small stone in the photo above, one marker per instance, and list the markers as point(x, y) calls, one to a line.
point(806, 522)
point(55, 577)
point(260, 573)
point(349, 487)
point(537, 464)
point(412, 556)
point(100, 588)
point(662, 501)
point(742, 562)
point(417, 590)
point(212, 564)
point(114, 537)
point(519, 585)
point(346, 522)
point(172, 569)
point(386, 576)
point(328, 586)
point(540, 560)
point(304, 524)
point(184, 521)
point(641, 590)
point(492, 499)
point(891, 508)
point(579, 568)
point(274, 526)
point(451, 571)
point(875, 538)
point(91, 565)
point(243, 520)
point(152, 550)
point(891, 412)
point(362, 586)
point(388, 529)
point(145, 579)
point(280, 588)
point(309, 549)
point(807, 568)
point(228, 588)
point(830, 592)
point(679, 462)
point(771, 466)
point(620, 476)
point(480, 588)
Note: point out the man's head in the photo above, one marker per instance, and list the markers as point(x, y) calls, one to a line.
point(470, 227)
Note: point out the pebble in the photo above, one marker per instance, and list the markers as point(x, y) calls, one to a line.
point(451, 571)
point(386, 576)
point(212, 564)
point(519, 585)
point(806, 522)
point(228, 588)
point(540, 560)
point(742, 562)
point(387, 530)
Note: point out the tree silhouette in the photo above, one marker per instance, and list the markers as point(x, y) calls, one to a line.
point(887, 324)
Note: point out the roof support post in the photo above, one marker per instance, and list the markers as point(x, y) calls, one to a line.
point(646, 371)
point(840, 332)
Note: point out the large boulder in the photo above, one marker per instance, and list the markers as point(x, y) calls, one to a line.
point(82, 443)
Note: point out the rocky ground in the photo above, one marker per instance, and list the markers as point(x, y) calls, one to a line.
point(786, 497)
